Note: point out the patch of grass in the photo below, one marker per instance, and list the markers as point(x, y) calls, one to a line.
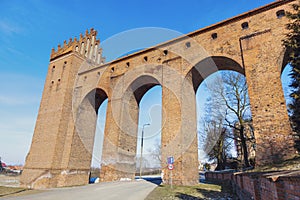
point(4, 191)
point(200, 191)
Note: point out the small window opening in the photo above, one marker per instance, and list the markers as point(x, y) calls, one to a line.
point(280, 14)
point(127, 64)
point(214, 36)
point(59, 80)
point(112, 69)
point(188, 44)
point(146, 58)
point(52, 82)
point(53, 67)
point(245, 25)
point(65, 62)
point(165, 52)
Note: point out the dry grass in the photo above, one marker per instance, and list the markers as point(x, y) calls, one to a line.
point(13, 191)
point(200, 191)
point(4, 191)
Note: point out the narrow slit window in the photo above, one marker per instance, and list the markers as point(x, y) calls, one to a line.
point(188, 44)
point(214, 36)
point(245, 25)
point(280, 14)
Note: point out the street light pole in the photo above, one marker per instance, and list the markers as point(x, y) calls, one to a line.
point(142, 145)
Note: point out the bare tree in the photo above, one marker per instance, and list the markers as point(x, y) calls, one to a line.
point(216, 143)
point(235, 96)
point(230, 96)
point(214, 135)
point(155, 152)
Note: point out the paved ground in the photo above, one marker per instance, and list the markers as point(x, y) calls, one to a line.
point(138, 189)
point(135, 190)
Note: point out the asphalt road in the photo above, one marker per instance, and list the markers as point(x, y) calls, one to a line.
point(134, 190)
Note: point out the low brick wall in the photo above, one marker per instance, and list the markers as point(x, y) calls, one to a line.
point(261, 185)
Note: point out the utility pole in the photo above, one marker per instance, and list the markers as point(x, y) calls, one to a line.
point(142, 145)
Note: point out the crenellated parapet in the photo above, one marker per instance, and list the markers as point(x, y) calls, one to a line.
point(88, 46)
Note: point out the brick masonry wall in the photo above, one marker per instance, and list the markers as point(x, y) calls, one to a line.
point(277, 185)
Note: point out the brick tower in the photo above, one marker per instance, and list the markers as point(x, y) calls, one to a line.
point(54, 159)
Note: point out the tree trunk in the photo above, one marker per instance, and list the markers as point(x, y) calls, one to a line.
point(220, 164)
point(221, 158)
point(244, 146)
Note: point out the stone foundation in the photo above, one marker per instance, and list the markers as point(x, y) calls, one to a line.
point(42, 179)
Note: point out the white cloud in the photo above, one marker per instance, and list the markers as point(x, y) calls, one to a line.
point(9, 28)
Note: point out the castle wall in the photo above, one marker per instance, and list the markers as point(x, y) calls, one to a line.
point(61, 148)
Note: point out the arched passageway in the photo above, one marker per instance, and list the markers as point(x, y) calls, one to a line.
point(125, 111)
point(149, 133)
point(209, 73)
point(85, 125)
point(98, 142)
point(225, 130)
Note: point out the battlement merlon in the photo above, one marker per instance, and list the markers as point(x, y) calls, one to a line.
point(88, 46)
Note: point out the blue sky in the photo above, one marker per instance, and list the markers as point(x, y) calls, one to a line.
point(29, 29)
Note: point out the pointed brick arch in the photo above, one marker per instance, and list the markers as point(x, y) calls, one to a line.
point(210, 65)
